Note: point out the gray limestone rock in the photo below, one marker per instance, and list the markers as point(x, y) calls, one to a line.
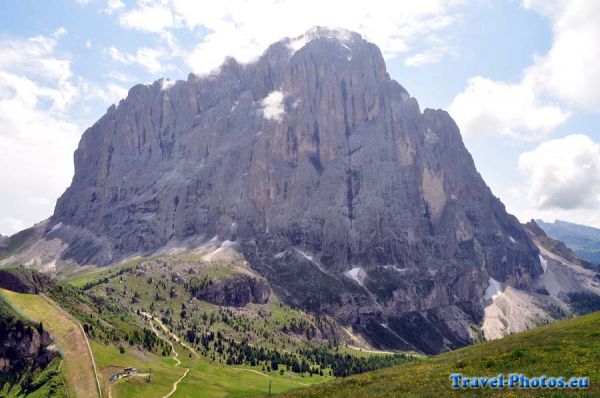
point(311, 149)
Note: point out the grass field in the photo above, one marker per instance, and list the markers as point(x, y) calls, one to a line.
point(77, 366)
point(211, 381)
point(565, 348)
point(109, 361)
point(205, 378)
point(82, 276)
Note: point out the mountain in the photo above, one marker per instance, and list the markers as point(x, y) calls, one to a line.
point(320, 172)
point(584, 240)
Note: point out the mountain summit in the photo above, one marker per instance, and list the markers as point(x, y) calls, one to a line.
point(317, 167)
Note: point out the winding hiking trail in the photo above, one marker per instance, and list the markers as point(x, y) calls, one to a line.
point(267, 376)
point(166, 330)
point(150, 318)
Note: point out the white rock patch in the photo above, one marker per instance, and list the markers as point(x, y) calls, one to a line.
point(357, 274)
point(544, 263)
point(56, 227)
point(272, 106)
point(511, 312)
point(224, 250)
point(494, 290)
point(306, 256)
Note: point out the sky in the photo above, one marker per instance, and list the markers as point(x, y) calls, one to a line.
point(520, 77)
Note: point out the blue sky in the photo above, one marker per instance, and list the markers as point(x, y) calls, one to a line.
point(519, 77)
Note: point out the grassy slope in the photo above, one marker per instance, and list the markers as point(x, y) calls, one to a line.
point(211, 379)
point(77, 362)
point(261, 324)
point(566, 348)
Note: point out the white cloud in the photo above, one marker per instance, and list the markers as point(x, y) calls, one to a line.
point(567, 76)
point(109, 93)
point(59, 32)
point(149, 16)
point(88, 43)
point(36, 145)
point(35, 56)
point(119, 76)
point(37, 139)
point(11, 225)
point(272, 106)
point(491, 107)
point(569, 71)
point(237, 27)
point(430, 56)
point(113, 5)
point(152, 59)
point(563, 173)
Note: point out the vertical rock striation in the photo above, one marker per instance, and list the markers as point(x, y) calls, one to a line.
point(318, 163)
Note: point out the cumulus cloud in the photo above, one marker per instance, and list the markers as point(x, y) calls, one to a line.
point(59, 32)
point(36, 145)
point(237, 27)
point(11, 225)
point(430, 56)
point(109, 93)
point(37, 93)
point(569, 71)
point(492, 107)
point(119, 76)
point(563, 78)
point(34, 57)
point(113, 5)
point(154, 60)
point(563, 173)
point(148, 16)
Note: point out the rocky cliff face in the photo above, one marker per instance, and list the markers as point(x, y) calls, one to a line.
point(341, 191)
point(234, 291)
point(23, 346)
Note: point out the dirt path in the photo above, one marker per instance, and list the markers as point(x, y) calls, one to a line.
point(166, 330)
point(174, 389)
point(150, 318)
point(359, 341)
point(251, 370)
point(79, 367)
point(265, 375)
point(370, 351)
